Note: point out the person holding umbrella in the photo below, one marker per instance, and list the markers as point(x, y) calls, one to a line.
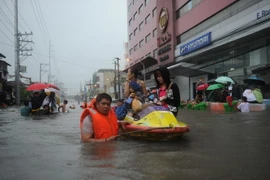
point(36, 102)
point(200, 82)
point(258, 94)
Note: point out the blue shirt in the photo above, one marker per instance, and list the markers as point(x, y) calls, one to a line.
point(25, 111)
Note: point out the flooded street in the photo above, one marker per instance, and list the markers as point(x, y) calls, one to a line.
point(219, 146)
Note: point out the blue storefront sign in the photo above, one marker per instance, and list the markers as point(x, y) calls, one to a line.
point(202, 41)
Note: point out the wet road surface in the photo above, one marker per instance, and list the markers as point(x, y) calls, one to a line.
point(219, 146)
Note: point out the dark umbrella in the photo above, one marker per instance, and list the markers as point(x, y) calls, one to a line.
point(211, 81)
point(254, 80)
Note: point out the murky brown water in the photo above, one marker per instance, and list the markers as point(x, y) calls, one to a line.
point(219, 146)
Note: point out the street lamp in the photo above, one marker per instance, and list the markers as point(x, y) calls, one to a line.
point(117, 62)
point(143, 68)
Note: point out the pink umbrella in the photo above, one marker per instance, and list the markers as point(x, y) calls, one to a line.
point(53, 86)
point(202, 87)
point(37, 87)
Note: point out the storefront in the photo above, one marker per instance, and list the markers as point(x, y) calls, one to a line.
point(233, 47)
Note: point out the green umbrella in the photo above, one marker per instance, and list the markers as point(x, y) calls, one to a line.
point(224, 80)
point(214, 86)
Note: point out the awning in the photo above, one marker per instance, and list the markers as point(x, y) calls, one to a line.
point(182, 70)
point(147, 62)
point(4, 62)
point(264, 68)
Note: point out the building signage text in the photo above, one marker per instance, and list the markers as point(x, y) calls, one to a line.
point(164, 39)
point(263, 13)
point(196, 44)
point(164, 49)
point(163, 19)
point(164, 58)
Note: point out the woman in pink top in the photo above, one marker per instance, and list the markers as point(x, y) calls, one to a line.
point(167, 91)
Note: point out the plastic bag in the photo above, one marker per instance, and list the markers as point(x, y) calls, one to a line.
point(136, 105)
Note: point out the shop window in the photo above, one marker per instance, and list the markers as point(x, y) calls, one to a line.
point(135, 31)
point(141, 26)
point(187, 7)
point(141, 43)
point(154, 12)
point(147, 19)
point(141, 8)
point(146, 2)
point(129, 6)
point(135, 47)
point(135, 16)
point(147, 38)
point(155, 32)
point(155, 53)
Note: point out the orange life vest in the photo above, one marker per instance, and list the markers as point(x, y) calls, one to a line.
point(103, 126)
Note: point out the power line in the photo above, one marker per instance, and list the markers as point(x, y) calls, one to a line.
point(36, 63)
point(38, 22)
point(7, 44)
point(6, 18)
point(6, 36)
point(12, 14)
point(37, 58)
point(6, 26)
point(22, 18)
point(61, 60)
point(43, 19)
point(40, 57)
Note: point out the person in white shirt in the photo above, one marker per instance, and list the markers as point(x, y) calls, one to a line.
point(244, 105)
point(229, 88)
point(249, 95)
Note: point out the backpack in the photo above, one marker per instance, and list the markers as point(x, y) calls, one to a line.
point(121, 111)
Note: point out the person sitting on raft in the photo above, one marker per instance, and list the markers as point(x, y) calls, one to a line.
point(36, 102)
point(258, 94)
point(133, 85)
point(167, 91)
point(98, 122)
point(26, 110)
point(63, 107)
point(136, 90)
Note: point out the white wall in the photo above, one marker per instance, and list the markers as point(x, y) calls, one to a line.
point(183, 84)
point(101, 80)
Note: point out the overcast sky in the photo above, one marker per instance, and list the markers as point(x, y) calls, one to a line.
point(85, 35)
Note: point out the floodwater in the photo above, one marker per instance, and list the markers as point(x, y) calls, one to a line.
point(219, 146)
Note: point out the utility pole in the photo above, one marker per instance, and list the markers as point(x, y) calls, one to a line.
point(41, 69)
point(20, 43)
point(49, 75)
point(115, 93)
point(17, 60)
point(119, 92)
